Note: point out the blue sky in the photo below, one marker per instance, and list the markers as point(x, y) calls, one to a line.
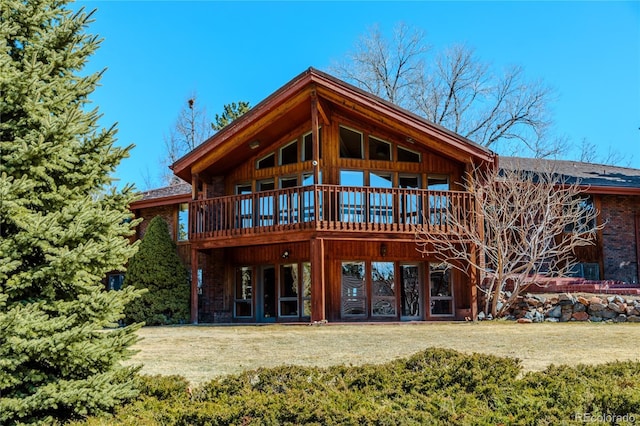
point(158, 53)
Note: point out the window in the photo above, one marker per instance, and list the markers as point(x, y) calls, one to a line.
point(380, 202)
point(408, 156)
point(411, 291)
point(289, 153)
point(289, 290)
point(410, 201)
point(183, 221)
point(307, 146)
point(379, 149)
point(244, 292)
point(115, 281)
point(288, 203)
point(441, 291)
point(306, 289)
point(244, 206)
point(266, 203)
point(586, 222)
point(350, 143)
point(354, 294)
point(438, 201)
point(383, 289)
point(266, 162)
point(352, 202)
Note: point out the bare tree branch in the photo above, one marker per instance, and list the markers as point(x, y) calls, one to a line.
point(525, 231)
point(503, 111)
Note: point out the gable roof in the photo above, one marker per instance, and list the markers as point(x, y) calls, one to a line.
point(599, 178)
point(293, 100)
point(173, 194)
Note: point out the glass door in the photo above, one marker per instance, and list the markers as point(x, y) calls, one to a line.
point(440, 289)
point(383, 290)
point(411, 292)
point(267, 296)
point(354, 291)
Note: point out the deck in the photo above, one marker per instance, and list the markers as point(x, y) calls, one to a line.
point(331, 208)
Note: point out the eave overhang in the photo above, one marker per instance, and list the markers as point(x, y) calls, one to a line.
point(328, 89)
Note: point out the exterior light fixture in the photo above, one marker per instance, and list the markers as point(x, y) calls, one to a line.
point(285, 254)
point(254, 144)
point(383, 250)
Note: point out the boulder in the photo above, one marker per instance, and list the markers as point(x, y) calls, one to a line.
point(555, 312)
point(580, 307)
point(620, 318)
point(525, 320)
point(595, 299)
point(633, 318)
point(580, 316)
point(584, 301)
point(596, 307)
point(615, 307)
point(565, 299)
point(538, 317)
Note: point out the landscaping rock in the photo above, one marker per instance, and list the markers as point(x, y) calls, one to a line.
point(595, 299)
point(555, 312)
point(580, 307)
point(566, 299)
point(596, 307)
point(525, 320)
point(608, 314)
point(538, 317)
point(583, 301)
point(620, 318)
point(580, 316)
point(615, 307)
point(593, 318)
point(551, 319)
point(633, 318)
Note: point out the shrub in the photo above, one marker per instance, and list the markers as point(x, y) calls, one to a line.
point(433, 387)
point(157, 268)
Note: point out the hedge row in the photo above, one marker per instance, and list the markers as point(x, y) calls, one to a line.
point(436, 387)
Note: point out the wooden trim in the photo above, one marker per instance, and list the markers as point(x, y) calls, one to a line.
point(318, 294)
point(194, 286)
point(160, 201)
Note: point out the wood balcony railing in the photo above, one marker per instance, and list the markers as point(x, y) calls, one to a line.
point(331, 208)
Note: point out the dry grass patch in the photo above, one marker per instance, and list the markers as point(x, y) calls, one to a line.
point(201, 353)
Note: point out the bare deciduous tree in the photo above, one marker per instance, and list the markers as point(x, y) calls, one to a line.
point(192, 127)
point(524, 232)
point(455, 89)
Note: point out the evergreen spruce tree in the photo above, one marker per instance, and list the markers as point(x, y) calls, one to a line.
point(61, 229)
point(157, 268)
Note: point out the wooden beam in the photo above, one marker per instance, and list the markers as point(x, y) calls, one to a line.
point(322, 110)
point(194, 286)
point(315, 138)
point(318, 296)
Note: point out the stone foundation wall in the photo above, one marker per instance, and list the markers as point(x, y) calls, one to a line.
point(565, 307)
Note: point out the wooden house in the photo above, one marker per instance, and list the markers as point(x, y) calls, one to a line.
point(305, 209)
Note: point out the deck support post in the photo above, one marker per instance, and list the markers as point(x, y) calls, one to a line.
point(318, 311)
point(194, 286)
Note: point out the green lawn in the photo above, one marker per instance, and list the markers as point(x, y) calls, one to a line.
point(203, 352)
